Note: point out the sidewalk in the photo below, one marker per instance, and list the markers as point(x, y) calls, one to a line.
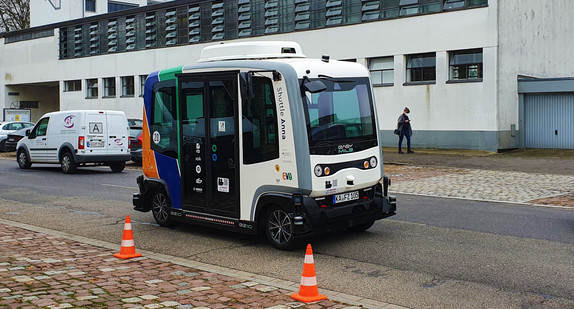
point(46, 269)
point(529, 177)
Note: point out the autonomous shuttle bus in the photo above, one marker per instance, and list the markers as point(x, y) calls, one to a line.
point(259, 139)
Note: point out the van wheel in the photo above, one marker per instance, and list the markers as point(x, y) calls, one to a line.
point(23, 160)
point(362, 227)
point(160, 209)
point(68, 164)
point(279, 229)
point(117, 166)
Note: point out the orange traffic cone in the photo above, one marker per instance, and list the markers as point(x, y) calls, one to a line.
point(128, 249)
point(308, 291)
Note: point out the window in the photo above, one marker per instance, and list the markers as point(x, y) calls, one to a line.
point(142, 84)
point(164, 119)
point(90, 5)
point(119, 6)
point(382, 71)
point(72, 85)
point(260, 140)
point(453, 4)
point(421, 68)
point(127, 86)
point(40, 128)
point(91, 88)
point(408, 7)
point(466, 65)
point(109, 87)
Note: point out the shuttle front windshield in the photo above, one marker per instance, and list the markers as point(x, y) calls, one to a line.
point(342, 114)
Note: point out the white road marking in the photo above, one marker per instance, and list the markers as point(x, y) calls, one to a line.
point(118, 186)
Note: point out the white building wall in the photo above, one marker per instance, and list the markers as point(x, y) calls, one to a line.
point(536, 38)
point(42, 12)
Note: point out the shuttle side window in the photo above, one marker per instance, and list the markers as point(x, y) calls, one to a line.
point(260, 140)
point(163, 127)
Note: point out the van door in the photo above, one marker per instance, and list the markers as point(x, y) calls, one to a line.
point(37, 141)
point(209, 144)
point(96, 137)
point(118, 138)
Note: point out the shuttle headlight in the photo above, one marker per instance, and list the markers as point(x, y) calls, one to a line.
point(373, 162)
point(318, 170)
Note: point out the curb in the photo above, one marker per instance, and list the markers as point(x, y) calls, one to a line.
point(278, 283)
point(486, 200)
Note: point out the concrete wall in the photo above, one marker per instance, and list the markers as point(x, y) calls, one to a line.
point(535, 39)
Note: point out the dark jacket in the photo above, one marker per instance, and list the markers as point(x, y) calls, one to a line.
point(404, 127)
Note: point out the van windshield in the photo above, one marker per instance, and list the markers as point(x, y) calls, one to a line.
point(341, 118)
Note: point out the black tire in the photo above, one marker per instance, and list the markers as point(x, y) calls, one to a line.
point(117, 167)
point(3, 146)
point(279, 229)
point(160, 209)
point(23, 159)
point(68, 164)
point(362, 227)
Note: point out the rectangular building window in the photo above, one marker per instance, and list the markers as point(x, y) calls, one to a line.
point(109, 87)
point(90, 5)
point(72, 85)
point(91, 88)
point(408, 7)
point(119, 6)
point(382, 71)
point(421, 68)
point(142, 84)
point(453, 4)
point(466, 65)
point(127, 86)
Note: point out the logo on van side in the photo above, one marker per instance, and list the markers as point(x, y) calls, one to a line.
point(69, 121)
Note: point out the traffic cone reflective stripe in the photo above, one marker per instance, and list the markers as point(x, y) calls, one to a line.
point(308, 291)
point(127, 249)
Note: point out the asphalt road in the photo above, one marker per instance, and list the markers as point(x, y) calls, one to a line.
point(435, 253)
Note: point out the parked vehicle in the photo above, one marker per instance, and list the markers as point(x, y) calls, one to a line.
point(10, 127)
point(135, 122)
point(136, 139)
point(257, 138)
point(13, 139)
point(73, 138)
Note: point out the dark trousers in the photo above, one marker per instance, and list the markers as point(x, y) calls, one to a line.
point(401, 141)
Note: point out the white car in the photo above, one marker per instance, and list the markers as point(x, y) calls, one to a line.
point(10, 127)
point(72, 138)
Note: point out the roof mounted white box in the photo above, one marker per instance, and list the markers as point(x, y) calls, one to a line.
point(251, 50)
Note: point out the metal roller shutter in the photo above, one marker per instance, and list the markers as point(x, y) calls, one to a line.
point(549, 121)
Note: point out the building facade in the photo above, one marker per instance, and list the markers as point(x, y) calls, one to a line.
point(455, 63)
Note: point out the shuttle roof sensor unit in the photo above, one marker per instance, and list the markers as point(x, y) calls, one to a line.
point(251, 50)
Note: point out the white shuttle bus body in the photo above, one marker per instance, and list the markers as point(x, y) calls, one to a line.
point(257, 138)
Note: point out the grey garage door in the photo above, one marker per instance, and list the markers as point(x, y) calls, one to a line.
point(549, 121)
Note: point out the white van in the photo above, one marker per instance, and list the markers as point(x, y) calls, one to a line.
point(73, 138)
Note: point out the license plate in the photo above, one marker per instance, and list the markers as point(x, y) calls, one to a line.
point(11, 139)
point(345, 197)
point(96, 144)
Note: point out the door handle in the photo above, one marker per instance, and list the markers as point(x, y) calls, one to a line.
point(44, 139)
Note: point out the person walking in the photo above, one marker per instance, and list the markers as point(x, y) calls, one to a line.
point(405, 130)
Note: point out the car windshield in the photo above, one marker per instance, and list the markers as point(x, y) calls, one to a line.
point(341, 113)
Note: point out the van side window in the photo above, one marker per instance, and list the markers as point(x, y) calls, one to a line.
point(164, 119)
point(260, 140)
point(41, 128)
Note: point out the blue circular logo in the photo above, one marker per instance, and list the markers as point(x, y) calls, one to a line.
point(214, 157)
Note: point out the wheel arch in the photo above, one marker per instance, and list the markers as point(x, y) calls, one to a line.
point(268, 200)
point(66, 147)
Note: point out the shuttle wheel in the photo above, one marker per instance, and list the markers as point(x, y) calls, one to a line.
point(160, 209)
point(279, 229)
point(23, 160)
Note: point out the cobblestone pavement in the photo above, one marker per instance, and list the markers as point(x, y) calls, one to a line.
point(39, 270)
point(485, 185)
